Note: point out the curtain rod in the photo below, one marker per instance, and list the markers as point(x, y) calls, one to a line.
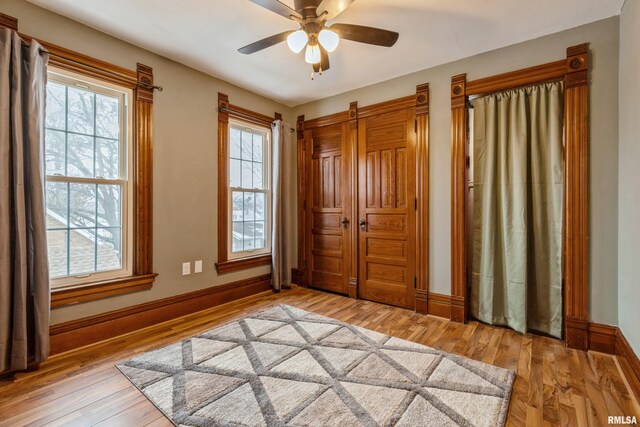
point(145, 85)
point(226, 110)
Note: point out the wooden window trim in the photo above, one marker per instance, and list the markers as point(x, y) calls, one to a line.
point(574, 72)
point(227, 111)
point(140, 82)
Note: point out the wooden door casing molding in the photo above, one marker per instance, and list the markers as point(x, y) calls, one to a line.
point(573, 71)
point(350, 118)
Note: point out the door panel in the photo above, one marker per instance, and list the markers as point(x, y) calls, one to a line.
point(329, 251)
point(386, 159)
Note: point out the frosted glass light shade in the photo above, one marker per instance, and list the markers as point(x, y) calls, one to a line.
point(297, 40)
point(312, 55)
point(328, 39)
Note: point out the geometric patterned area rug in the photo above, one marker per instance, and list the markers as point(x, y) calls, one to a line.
point(286, 366)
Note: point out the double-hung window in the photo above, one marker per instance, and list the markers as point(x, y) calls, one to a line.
point(249, 192)
point(88, 185)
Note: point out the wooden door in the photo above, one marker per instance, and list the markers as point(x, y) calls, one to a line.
point(328, 201)
point(386, 205)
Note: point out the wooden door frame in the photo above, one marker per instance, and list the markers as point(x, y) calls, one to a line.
point(574, 72)
point(419, 100)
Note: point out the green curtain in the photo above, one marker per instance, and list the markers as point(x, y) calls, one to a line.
point(517, 209)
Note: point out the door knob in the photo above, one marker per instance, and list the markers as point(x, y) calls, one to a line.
point(344, 222)
point(362, 223)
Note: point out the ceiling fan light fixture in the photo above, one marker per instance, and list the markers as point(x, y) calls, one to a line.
point(297, 41)
point(312, 54)
point(328, 39)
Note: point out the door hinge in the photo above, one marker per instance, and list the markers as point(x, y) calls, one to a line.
point(415, 204)
point(304, 205)
point(415, 282)
point(415, 125)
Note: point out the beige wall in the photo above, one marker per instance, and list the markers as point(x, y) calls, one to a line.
point(185, 156)
point(603, 36)
point(629, 199)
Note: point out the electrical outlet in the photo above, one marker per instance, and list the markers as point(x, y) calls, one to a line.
point(197, 267)
point(186, 268)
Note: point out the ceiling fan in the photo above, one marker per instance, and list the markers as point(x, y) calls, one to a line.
point(318, 38)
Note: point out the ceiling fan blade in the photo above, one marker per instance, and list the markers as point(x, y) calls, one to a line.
point(278, 7)
point(333, 8)
point(324, 61)
point(264, 43)
point(369, 35)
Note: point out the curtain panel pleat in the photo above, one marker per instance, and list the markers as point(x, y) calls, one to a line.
point(24, 272)
point(281, 210)
point(517, 209)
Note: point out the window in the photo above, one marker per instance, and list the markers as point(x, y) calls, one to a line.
point(244, 192)
point(249, 194)
point(88, 189)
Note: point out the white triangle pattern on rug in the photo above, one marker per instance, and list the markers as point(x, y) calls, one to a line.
point(451, 372)
point(370, 398)
point(269, 353)
point(338, 377)
point(301, 364)
point(317, 330)
point(482, 409)
point(340, 358)
point(239, 407)
point(233, 360)
point(285, 395)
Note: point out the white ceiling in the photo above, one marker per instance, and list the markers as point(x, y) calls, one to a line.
point(205, 34)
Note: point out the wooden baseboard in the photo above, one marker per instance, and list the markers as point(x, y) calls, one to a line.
point(629, 361)
point(89, 330)
point(439, 305)
point(421, 301)
point(602, 338)
point(458, 309)
point(297, 277)
point(576, 333)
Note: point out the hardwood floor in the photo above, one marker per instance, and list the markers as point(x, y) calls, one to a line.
point(554, 386)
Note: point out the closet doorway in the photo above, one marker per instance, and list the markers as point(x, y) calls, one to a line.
point(360, 200)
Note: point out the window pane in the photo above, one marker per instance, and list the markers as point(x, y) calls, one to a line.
point(259, 234)
point(238, 239)
point(56, 201)
point(257, 176)
point(57, 249)
point(54, 152)
point(107, 158)
point(82, 251)
point(236, 206)
point(257, 147)
point(56, 98)
point(109, 249)
point(109, 209)
point(80, 156)
point(247, 173)
point(260, 206)
point(249, 208)
point(248, 236)
point(246, 145)
point(107, 117)
point(235, 144)
point(80, 111)
point(82, 205)
point(234, 174)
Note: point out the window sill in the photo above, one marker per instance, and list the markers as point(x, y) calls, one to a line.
point(242, 263)
point(93, 291)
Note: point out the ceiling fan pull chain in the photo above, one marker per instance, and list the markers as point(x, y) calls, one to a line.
point(313, 76)
point(320, 71)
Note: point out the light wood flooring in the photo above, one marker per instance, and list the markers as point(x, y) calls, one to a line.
point(554, 386)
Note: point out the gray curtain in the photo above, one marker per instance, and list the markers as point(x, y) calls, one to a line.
point(24, 272)
point(281, 206)
point(517, 204)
